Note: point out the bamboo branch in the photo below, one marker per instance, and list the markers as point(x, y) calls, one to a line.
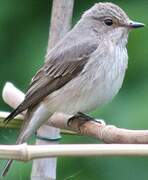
point(103, 132)
point(59, 26)
point(60, 21)
point(26, 152)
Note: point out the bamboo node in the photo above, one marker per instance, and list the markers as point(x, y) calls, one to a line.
point(25, 156)
point(104, 130)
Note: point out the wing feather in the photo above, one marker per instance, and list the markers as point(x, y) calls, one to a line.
point(56, 72)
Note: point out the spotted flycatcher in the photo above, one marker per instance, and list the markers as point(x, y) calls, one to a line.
point(83, 71)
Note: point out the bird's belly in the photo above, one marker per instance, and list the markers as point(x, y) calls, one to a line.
point(84, 94)
point(100, 93)
point(97, 84)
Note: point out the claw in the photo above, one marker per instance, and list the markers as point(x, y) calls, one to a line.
point(83, 119)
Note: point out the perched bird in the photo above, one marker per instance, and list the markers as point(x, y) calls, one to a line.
point(83, 71)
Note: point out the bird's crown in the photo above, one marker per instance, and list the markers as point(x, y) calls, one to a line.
point(106, 9)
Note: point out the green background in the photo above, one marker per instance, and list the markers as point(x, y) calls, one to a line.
point(24, 26)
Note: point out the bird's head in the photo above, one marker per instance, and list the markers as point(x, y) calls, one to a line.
point(111, 21)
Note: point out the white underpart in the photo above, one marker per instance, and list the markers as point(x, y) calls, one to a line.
point(40, 115)
point(104, 78)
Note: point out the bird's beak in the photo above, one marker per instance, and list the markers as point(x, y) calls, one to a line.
point(134, 24)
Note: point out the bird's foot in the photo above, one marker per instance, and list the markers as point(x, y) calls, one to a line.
point(83, 118)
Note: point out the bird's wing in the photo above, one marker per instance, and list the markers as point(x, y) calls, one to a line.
point(56, 72)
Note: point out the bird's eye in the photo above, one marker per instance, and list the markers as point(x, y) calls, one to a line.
point(108, 22)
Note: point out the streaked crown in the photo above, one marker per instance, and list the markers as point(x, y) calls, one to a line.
point(106, 9)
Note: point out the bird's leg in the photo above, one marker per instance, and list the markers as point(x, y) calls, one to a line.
point(82, 118)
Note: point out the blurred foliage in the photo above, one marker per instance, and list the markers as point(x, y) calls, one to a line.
point(23, 39)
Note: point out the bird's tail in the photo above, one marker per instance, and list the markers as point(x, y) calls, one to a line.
point(9, 162)
point(20, 140)
point(33, 120)
point(6, 168)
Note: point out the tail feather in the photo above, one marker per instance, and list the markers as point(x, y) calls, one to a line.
point(30, 125)
point(21, 139)
point(6, 168)
point(14, 113)
point(9, 162)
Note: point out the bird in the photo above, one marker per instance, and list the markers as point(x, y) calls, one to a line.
point(84, 70)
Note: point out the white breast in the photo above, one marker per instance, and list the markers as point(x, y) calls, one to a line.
point(98, 85)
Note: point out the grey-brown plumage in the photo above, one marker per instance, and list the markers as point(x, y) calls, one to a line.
point(60, 68)
point(84, 70)
point(57, 71)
